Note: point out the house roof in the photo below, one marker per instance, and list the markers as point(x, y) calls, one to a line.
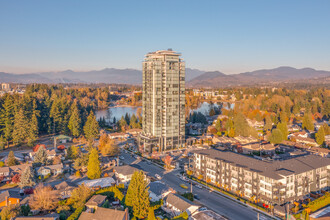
point(9, 194)
point(270, 169)
point(178, 202)
point(158, 188)
point(125, 170)
point(101, 182)
point(64, 185)
point(103, 214)
point(96, 200)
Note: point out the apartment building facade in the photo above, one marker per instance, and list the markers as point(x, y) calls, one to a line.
point(272, 182)
point(163, 101)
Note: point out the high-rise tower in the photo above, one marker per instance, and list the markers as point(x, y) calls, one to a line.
point(163, 98)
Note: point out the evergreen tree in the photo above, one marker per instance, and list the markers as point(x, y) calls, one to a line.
point(91, 128)
point(40, 156)
point(20, 127)
point(320, 136)
point(127, 118)
point(7, 118)
point(241, 126)
point(2, 142)
point(283, 127)
point(33, 126)
point(276, 137)
point(137, 195)
point(11, 159)
point(211, 112)
point(308, 122)
point(151, 214)
point(268, 123)
point(75, 121)
point(93, 168)
point(133, 122)
point(27, 178)
point(122, 123)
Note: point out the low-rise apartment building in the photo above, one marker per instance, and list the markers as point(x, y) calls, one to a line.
point(271, 182)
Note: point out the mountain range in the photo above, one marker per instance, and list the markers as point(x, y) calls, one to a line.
point(194, 77)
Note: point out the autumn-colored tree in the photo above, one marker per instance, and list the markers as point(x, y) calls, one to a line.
point(9, 212)
point(16, 178)
point(276, 137)
point(167, 162)
point(80, 195)
point(320, 136)
point(93, 168)
point(44, 198)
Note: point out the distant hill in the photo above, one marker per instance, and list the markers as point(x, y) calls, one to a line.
point(266, 76)
point(194, 77)
point(107, 75)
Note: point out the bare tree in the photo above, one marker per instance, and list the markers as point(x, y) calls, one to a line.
point(44, 198)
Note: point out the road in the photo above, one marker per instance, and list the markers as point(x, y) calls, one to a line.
point(211, 200)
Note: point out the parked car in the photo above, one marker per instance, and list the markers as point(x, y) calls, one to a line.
point(122, 158)
point(158, 177)
point(184, 186)
point(184, 178)
point(199, 186)
point(196, 197)
point(203, 209)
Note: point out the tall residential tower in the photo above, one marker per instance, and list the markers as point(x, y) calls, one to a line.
point(163, 107)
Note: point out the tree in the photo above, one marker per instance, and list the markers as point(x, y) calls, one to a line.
point(308, 122)
point(7, 118)
point(9, 212)
point(276, 137)
point(33, 130)
point(80, 195)
point(27, 178)
point(20, 127)
point(40, 156)
point(283, 127)
point(16, 178)
point(73, 152)
point(91, 128)
point(137, 195)
point(320, 136)
point(57, 160)
point(241, 126)
point(80, 161)
point(44, 198)
point(151, 214)
point(167, 161)
point(110, 149)
point(268, 123)
point(11, 159)
point(75, 121)
point(211, 112)
point(122, 124)
point(93, 168)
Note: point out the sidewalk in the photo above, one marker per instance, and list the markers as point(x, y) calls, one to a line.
point(235, 200)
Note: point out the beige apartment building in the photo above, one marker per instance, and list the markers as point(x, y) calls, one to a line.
point(163, 98)
point(271, 182)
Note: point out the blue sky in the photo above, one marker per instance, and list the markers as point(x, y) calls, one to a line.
point(229, 36)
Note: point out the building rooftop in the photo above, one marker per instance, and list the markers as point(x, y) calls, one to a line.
point(158, 187)
point(96, 200)
point(272, 169)
point(104, 213)
point(178, 202)
point(126, 170)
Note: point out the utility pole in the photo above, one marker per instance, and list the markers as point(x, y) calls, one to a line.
point(191, 186)
point(258, 215)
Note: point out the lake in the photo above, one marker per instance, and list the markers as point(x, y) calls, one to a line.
point(117, 112)
point(120, 111)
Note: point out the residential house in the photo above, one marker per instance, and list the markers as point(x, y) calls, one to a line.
point(158, 190)
point(306, 141)
point(207, 215)
point(124, 173)
point(50, 170)
point(134, 131)
point(118, 135)
point(51, 154)
point(95, 202)
point(9, 172)
point(99, 183)
point(10, 197)
point(175, 205)
point(65, 189)
point(51, 216)
point(105, 213)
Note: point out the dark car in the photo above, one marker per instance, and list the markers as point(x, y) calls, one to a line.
point(196, 197)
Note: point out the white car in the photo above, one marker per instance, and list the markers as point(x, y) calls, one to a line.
point(183, 178)
point(199, 186)
point(158, 177)
point(122, 158)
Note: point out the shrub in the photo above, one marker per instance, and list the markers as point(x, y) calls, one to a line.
point(76, 214)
